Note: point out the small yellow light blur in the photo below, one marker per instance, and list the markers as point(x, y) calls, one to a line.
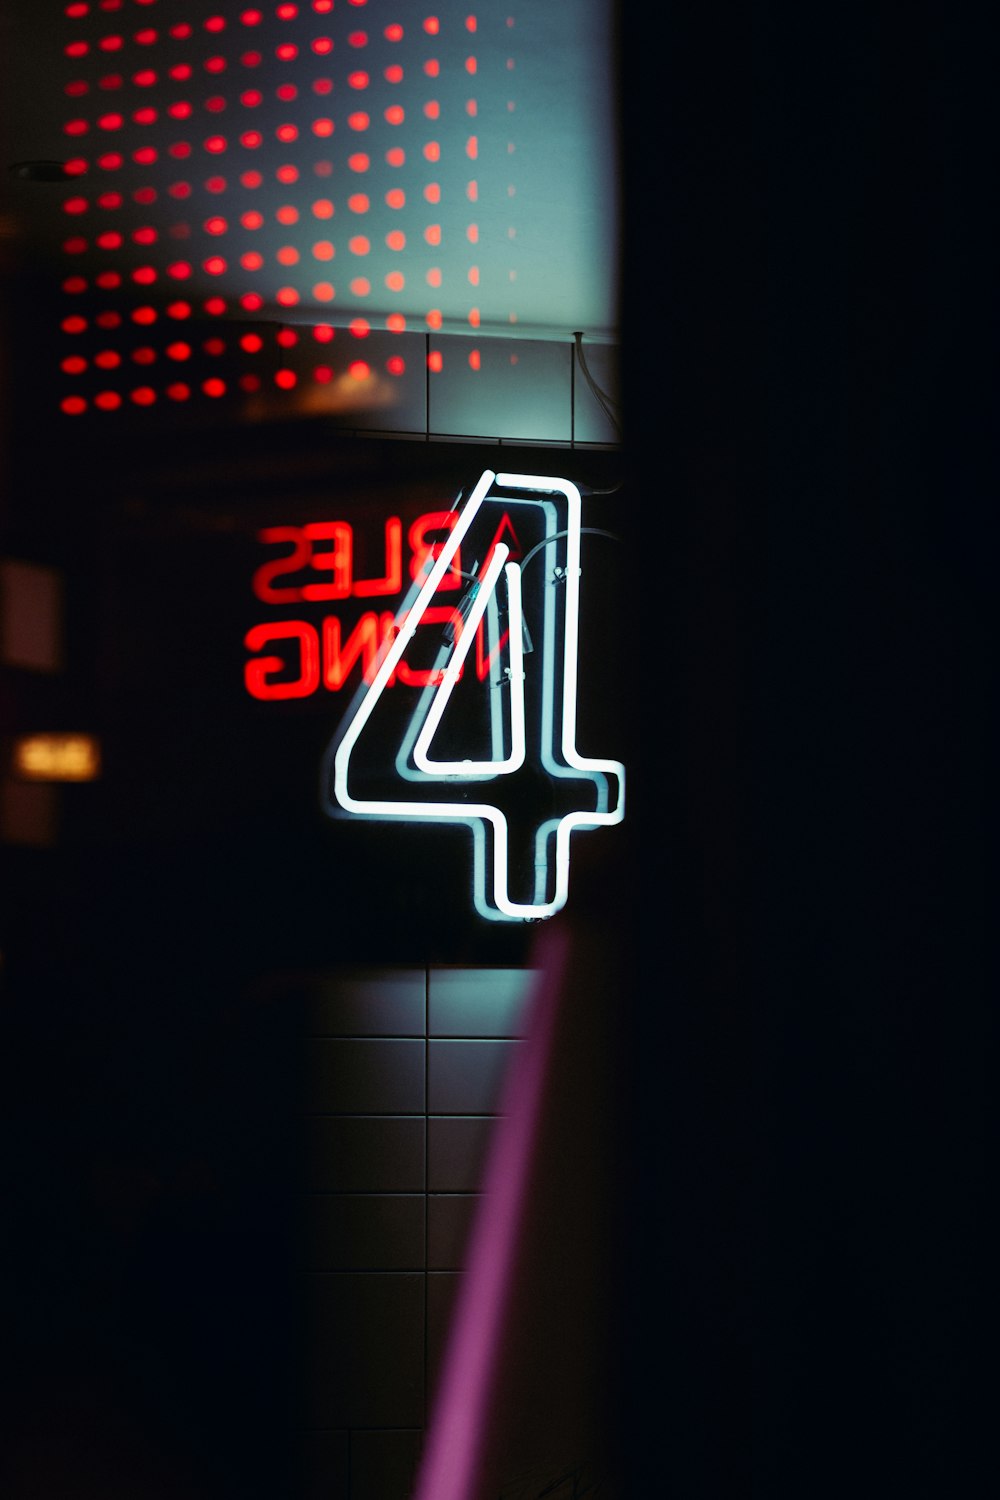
point(57, 757)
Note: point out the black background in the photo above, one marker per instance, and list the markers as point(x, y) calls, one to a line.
point(822, 1089)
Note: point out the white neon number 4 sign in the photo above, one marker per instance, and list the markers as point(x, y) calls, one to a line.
point(415, 761)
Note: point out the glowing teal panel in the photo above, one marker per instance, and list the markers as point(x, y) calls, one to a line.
point(520, 391)
point(478, 1002)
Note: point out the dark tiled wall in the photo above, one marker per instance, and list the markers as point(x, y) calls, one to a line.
point(403, 1070)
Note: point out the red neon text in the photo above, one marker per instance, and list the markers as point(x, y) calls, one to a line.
point(326, 549)
point(322, 657)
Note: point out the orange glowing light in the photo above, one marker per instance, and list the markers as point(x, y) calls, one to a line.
point(58, 757)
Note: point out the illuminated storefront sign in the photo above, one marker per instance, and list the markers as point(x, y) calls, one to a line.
point(316, 564)
point(511, 722)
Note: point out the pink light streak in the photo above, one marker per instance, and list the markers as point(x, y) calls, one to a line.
point(457, 1438)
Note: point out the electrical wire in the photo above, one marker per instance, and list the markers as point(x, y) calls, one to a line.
point(584, 531)
point(604, 401)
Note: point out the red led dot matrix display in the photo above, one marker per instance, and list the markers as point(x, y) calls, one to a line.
point(344, 166)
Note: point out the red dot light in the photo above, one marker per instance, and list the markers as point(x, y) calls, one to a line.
point(152, 117)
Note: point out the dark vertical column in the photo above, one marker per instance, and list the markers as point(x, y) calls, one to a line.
point(693, 326)
point(812, 1245)
point(874, 750)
